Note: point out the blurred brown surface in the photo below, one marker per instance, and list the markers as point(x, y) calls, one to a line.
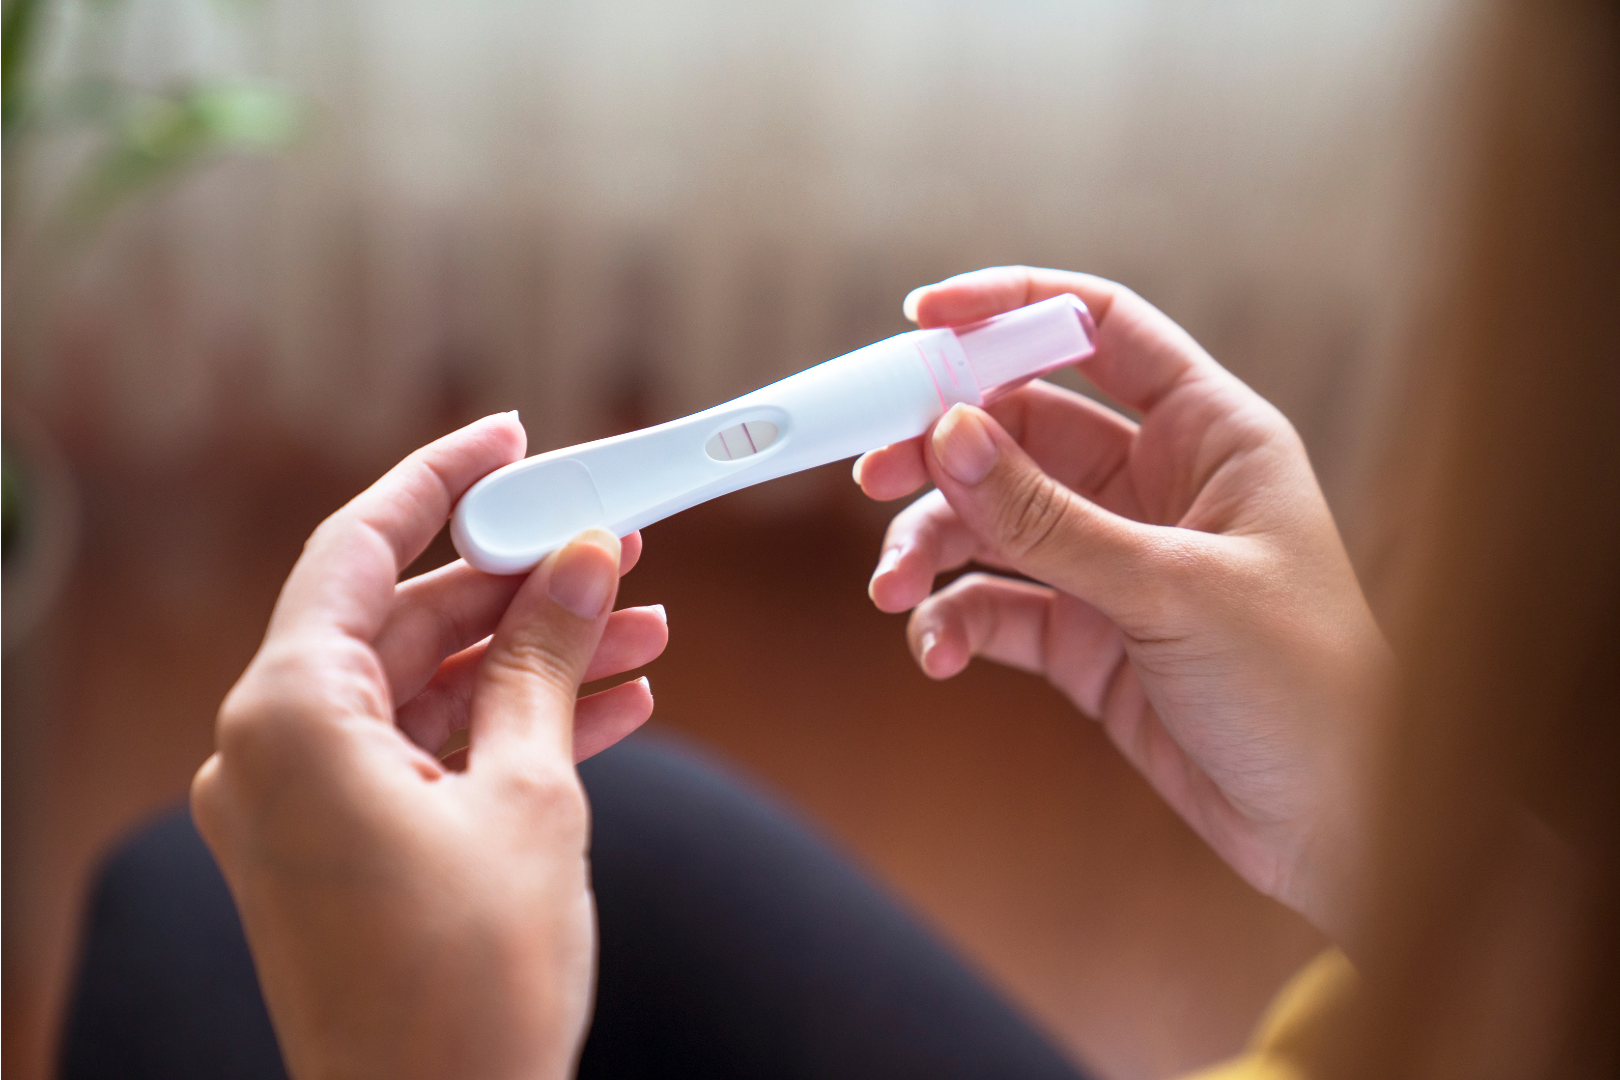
point(986, 802)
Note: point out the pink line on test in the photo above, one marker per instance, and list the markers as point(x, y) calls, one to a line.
point(930, 369)
point(749, 435)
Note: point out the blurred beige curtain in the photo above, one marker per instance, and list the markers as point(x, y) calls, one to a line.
point(601, 211)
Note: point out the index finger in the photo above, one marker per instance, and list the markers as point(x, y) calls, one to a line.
point(345, 578)
point(1142, 354)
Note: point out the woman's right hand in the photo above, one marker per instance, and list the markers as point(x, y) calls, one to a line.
point(1194, 594)
point(409, 918)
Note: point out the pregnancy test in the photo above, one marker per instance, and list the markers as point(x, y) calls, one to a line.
point(889, 391)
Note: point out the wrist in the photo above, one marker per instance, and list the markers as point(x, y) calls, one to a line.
point(1329, 880)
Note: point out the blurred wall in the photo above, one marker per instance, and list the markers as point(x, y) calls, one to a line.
point(615, 213)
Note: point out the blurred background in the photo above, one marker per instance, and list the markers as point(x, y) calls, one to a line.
point(257, 250)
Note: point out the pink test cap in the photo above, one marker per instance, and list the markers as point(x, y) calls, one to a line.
point(1007, 350)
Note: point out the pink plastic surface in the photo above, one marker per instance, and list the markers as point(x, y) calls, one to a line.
point(1006, 351)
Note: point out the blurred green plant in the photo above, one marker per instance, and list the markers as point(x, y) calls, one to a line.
point(138, 138)
point(141, 137)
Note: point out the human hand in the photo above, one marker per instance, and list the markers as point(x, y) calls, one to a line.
point(408, 919)
point(1195, 596)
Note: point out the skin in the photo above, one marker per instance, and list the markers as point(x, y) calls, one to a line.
point(411, 917)
point(1191, 592)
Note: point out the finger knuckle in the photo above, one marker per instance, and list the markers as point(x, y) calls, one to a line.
point(206, 796)
point(974, 583)
point(955, 604)
point(246, 721)
point(289, 699)
point(549, 790)
point(1033, 516)
point(323, 533)
point(966, 591)
point(535, 657)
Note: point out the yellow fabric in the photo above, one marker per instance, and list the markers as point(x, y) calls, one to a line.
point(1284, 1043)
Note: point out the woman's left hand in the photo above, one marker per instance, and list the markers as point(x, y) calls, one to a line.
point(409, 918)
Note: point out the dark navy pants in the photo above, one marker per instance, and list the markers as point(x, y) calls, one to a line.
point(734, 943)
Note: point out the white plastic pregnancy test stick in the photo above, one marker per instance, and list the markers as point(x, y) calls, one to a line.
point(887, 392)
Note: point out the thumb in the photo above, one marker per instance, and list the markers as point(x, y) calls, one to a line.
point(1043, 529)
point(523, 699)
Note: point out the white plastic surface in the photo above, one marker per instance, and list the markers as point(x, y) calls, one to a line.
point(887, 392)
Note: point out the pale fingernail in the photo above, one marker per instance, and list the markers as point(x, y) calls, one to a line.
point(889, 560)
point(581, 580)
point(860, 463)
point(663, 616)
point(926, 646)
point(964, 446)
point(908, 306)
point(646, 684)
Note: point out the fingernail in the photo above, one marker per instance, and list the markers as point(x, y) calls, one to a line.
point(926, 645)
point(908, 306)
point(646, 684)
point(964, 446)
point(886, 562)
point(581, 580)
point(856, 471)
point(663, 616)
